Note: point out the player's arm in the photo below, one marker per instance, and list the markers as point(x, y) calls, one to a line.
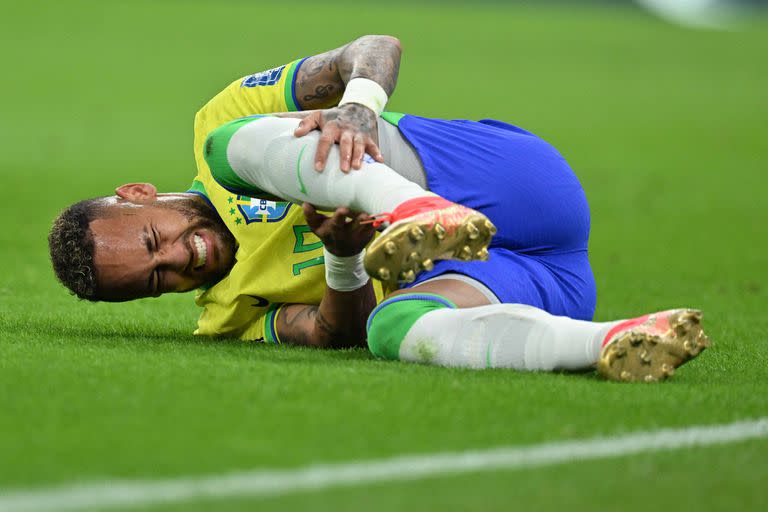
point(322, 80)
point(338, 322)
point(340, 319)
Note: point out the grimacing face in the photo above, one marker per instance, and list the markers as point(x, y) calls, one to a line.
point(147, 244)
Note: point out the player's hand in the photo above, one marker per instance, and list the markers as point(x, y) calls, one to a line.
point(342, 233)
point(352, 126)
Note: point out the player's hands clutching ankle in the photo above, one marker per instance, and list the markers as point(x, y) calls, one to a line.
point(352, 126)
point(343, 233)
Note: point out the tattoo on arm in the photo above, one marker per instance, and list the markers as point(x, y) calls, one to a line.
point(323, 324)
point(321, 92)
point(321, 79)
point(374, 57)
point(318, 83)
point(300, 324)
point(294, 325)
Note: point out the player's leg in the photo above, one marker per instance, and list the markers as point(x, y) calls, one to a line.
point(261, 155)
point(538, 269)
point(451, 323)
point(452, 320)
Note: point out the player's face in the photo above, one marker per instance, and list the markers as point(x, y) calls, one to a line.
point(175, 243)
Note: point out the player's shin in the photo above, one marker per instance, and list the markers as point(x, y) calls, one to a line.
point(264, 155)
point(430, 329)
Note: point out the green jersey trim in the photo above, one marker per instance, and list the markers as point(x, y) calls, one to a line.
point(215, 153)
point(197, 187)
point(290, 86)
point(270, 329)
point(392, 118)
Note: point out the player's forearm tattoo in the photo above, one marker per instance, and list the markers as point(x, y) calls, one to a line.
point(293, 330)
point(309, 326)
point(374, 57)
point(321, 92)
point(324, 325)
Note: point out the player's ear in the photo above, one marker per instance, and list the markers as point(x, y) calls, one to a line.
point(137, 192)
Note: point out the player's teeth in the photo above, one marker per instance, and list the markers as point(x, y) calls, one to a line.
point(202, 251)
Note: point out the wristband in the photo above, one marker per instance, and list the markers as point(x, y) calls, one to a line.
point(344, 273)
point(367, 93)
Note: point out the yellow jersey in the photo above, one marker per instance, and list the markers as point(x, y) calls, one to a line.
point(278, 260)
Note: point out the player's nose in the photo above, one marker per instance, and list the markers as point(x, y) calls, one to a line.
point(177, 256)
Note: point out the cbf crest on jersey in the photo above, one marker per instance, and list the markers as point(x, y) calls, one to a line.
point(262, 210)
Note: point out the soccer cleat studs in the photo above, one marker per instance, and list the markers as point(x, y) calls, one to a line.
point(650, 348)
point(472, 231)
point(416, 234)
point(422, 231)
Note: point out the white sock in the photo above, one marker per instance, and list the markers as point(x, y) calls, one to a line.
point(265, 154)
point(504, 336)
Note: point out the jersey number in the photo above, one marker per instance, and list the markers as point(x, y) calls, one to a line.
point(301, 246)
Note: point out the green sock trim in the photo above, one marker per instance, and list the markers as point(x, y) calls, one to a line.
point(392, 319)
point(215, 153)
point(392, 118)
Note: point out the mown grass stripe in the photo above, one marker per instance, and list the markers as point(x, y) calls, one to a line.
point(122, 493)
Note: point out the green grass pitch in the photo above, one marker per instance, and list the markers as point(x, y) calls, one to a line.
point(666, 128)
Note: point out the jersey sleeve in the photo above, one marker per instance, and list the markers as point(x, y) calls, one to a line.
point(240, 319)
point(261, 93)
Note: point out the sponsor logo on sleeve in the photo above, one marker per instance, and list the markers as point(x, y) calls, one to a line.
point(270, 77)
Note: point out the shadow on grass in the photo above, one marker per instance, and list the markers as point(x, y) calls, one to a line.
point(281, 354)
point(27, 328)
point(15, 329)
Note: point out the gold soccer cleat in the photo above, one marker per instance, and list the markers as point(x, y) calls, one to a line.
point(649, 348)
point(424, 230)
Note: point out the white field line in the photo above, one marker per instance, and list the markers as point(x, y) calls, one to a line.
point(128, 493)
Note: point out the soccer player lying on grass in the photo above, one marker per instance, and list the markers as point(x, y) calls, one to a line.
point(451, 193)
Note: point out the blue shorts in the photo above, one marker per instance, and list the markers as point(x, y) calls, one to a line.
point(539, 255)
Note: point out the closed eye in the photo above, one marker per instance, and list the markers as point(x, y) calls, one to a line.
point(156, 238)
point(152, 246)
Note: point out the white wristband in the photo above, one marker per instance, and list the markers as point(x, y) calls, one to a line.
point(365, 92)
point(344, 273)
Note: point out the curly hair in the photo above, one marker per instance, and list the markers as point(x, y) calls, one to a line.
point(71, 245)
